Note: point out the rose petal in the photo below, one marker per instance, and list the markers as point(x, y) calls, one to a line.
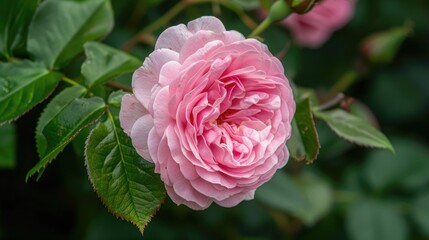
point(147, 76)
point(173, 38)
point(139, 135)
point(131, 110)
point(206, 23)
point(236, 199)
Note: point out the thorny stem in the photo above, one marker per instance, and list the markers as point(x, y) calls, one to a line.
point(175, 10)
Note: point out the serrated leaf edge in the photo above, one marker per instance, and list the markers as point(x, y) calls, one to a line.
point(61, 147)
point(140, 227)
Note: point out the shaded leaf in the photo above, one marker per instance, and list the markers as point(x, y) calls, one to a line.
point(318, 196)
point(62, 127)
point(304, 93)
point(407, 169)
point(306, 196)
point(304, 142)
point(55, 106)
point(115, 98)
point(281, 193)
point(125, 182)
point(420, 212)
point(22, 86)
point(104, 63)
point(354, 129)
point(372, 220)
point(7, 146)
point(15, 15)
point(70, 24)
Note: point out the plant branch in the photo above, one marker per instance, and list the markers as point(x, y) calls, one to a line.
point(332, 102)
point(116, 85)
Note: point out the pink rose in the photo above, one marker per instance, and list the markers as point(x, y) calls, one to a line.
point(212, 110)
point(314, 28)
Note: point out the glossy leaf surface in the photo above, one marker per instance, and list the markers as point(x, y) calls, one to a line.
point(70, 24)
point(22, 86)
point(125, 182)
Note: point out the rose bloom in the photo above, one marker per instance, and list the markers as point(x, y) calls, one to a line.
point(212, 110)
point(314, 28)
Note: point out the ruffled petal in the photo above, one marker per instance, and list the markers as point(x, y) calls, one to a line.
point(147, 76)
point(140, 134)
point(131, 110)
point(206, 23)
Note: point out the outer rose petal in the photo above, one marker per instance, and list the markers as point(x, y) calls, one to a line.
point(215, 114)
point(131, 111)
point(146, 77)
point(173, 38)
point(206, 23)
point(139, 135)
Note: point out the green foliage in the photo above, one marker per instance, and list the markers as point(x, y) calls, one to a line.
point(304, 142)
point(7, 146)
point(23, 84)
point(63, 119)
point(55, 107)
point(408, 168)
point(15, 15)
point(354, 129)
point(307, 196)
point(125, 182)
point(104, 63)
point(69, 24)
point(373, 220)
point(421, 212)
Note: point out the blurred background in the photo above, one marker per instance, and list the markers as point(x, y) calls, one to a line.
point(349, 192)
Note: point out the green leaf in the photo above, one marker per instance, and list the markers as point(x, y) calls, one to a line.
point(56, 106)
point(420, 212)
point(70, 24)
point(7, 146)
point(307, 196)
point(304, 93)
point(281, 193)
point(104, 63)
point(125, 182)
point(372, 220)
point(304, 142)
point(354, 129)
point(15, 15)
point(59, 129)
point(318, 195)
point(115, 98)
point(22, 86)
point(407, 169)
